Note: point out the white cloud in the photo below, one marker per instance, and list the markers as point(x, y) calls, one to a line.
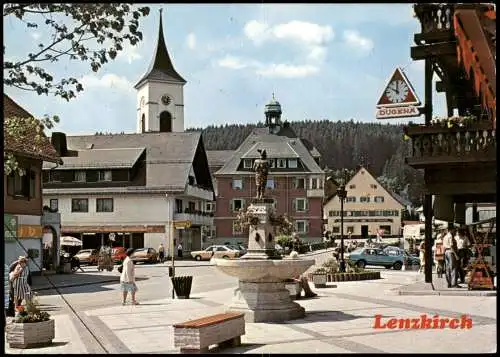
point(354, 39)
point(304, 33)
point(287, 71)
point(111, 81)
point(232, 62)
point(317, 54)
point(191, 41)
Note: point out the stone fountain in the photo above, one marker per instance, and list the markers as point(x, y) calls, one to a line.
point(261, 292)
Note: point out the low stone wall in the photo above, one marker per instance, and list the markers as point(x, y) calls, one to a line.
point(30, 334)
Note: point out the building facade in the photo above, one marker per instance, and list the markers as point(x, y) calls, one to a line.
point(368, 209)
point(136, 190)
point(23, 209)
point(295, 180)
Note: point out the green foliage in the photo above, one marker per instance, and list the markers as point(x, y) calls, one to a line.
point(284, 240)
point(93, 33)
point(32, 312)
point(353, 267)
point(321, 270)
point(332, 266)
point(380, 148)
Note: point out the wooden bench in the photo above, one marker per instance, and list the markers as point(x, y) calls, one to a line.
point(196, 336)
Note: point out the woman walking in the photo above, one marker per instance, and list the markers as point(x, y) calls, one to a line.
point(19, 280)
point(127, 278)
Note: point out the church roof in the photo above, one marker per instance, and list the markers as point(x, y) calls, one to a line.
point(161, 67)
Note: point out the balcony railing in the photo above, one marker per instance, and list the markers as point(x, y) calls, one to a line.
point(435, 144)
point(196, 218)
point(435, 18)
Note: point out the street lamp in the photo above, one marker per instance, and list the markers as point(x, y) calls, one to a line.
point(342, 193)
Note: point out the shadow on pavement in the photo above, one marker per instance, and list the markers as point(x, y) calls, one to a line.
point(318, 316)
point(245, 347)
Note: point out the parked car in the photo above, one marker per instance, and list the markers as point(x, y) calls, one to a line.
point(375, 256)
point(118, 254)
point(149, 255)
point(88, 256)
point(241, 249)
point(216, 251)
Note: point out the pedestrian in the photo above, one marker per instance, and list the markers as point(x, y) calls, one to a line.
point(127, 279)
point(19, 279)
point(6, 290)
point(421, 251)
point(463, 253)
point(179, 250)
point(439, 255)
point(161, 253)
point(451, 258)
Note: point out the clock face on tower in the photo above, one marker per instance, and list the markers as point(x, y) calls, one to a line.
point(165, 99)
point(397, 91)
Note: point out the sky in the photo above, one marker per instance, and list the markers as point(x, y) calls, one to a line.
point(322, 61)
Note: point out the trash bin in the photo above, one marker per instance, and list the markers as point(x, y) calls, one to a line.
point(182, 286)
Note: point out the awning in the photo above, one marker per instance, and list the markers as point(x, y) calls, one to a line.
point(71, 241)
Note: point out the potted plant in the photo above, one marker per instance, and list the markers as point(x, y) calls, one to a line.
point(319, 278)
point(31, 327)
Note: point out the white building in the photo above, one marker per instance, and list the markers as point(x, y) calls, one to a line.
point(137, 189)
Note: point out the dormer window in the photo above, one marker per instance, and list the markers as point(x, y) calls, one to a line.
point(247, 163)
point(104, 176)
point(272, 163)
point(292, 163)
point(191, 180)
point(281, 163)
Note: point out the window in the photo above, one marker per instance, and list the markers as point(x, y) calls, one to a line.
point(79, 176)
point(364, 199)
point(299, 183)
point(270, 184)
point(178, 206)
point(331, 213)
point(54, 204)
point(300, 204)
point(281, 163)
point(350, 199)
point(335, 229)
point(236, 228)
point(103, 176)
point(386, 230)
point(352, 187)
point(237, 184)
point(292, 163)
point(247, 163)
point(272, 163)
point(373, 186)
point(350, 229)
point(314, 183)
point(275, 203)
point(104, 205)
point(210, 207)
point(79, 205)
point(379, 199)
point(237, 204)
point(301, 226)
point(54, 176)
point(191, 207)
point(22, 186)
point(191, 180)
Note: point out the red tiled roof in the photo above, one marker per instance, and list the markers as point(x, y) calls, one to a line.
point(26, 145)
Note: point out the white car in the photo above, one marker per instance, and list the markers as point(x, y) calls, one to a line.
point(216, 251)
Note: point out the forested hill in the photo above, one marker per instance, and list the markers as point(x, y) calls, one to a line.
point(378, 147)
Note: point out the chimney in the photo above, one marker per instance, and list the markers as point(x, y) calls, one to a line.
point(58, 140)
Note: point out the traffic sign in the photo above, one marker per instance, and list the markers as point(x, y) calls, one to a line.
point(398, 92)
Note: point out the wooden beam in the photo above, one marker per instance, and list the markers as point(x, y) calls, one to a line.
point(425, 162)
point(434, 36)
point(434, 50)
point(461, 188)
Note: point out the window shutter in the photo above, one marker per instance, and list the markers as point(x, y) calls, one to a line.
point(294, 204)
point(231, 205)
point(307, 226)
point(306, 204)
point(242, 204)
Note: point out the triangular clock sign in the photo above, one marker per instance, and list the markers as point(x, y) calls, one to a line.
point(398, 92)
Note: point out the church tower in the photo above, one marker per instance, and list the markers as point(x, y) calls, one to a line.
point(160, 93)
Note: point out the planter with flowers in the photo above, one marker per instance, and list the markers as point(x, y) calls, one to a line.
point(31, 327)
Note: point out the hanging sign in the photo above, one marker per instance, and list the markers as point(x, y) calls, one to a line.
point(398, 100)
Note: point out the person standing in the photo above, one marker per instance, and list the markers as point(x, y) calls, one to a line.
point(439, 255)
point(127, 279)
point(421, 252)
point(463, 249)
point(161, 253)
point(19, 280)
point(6, 287)
point(450, 258)
point(179, 250)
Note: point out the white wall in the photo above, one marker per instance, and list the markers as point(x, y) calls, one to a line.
point(127, 209)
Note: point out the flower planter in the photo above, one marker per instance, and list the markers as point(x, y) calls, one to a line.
point(319, 280)
point(30, 334)
point(294, 289)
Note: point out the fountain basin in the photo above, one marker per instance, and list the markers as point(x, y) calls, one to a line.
point(261, 294)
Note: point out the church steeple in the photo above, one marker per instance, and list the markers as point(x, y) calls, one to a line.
point(161, 67)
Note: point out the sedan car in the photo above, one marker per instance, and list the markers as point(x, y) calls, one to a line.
point(216, 251)
point(88, 256)
point(145, 255)
point(375, 256)
point(119, 254)
point(241, 249)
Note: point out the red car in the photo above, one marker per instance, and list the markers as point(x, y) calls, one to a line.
point(119, 254)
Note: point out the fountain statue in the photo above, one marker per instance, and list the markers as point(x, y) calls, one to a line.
point(261, 292)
